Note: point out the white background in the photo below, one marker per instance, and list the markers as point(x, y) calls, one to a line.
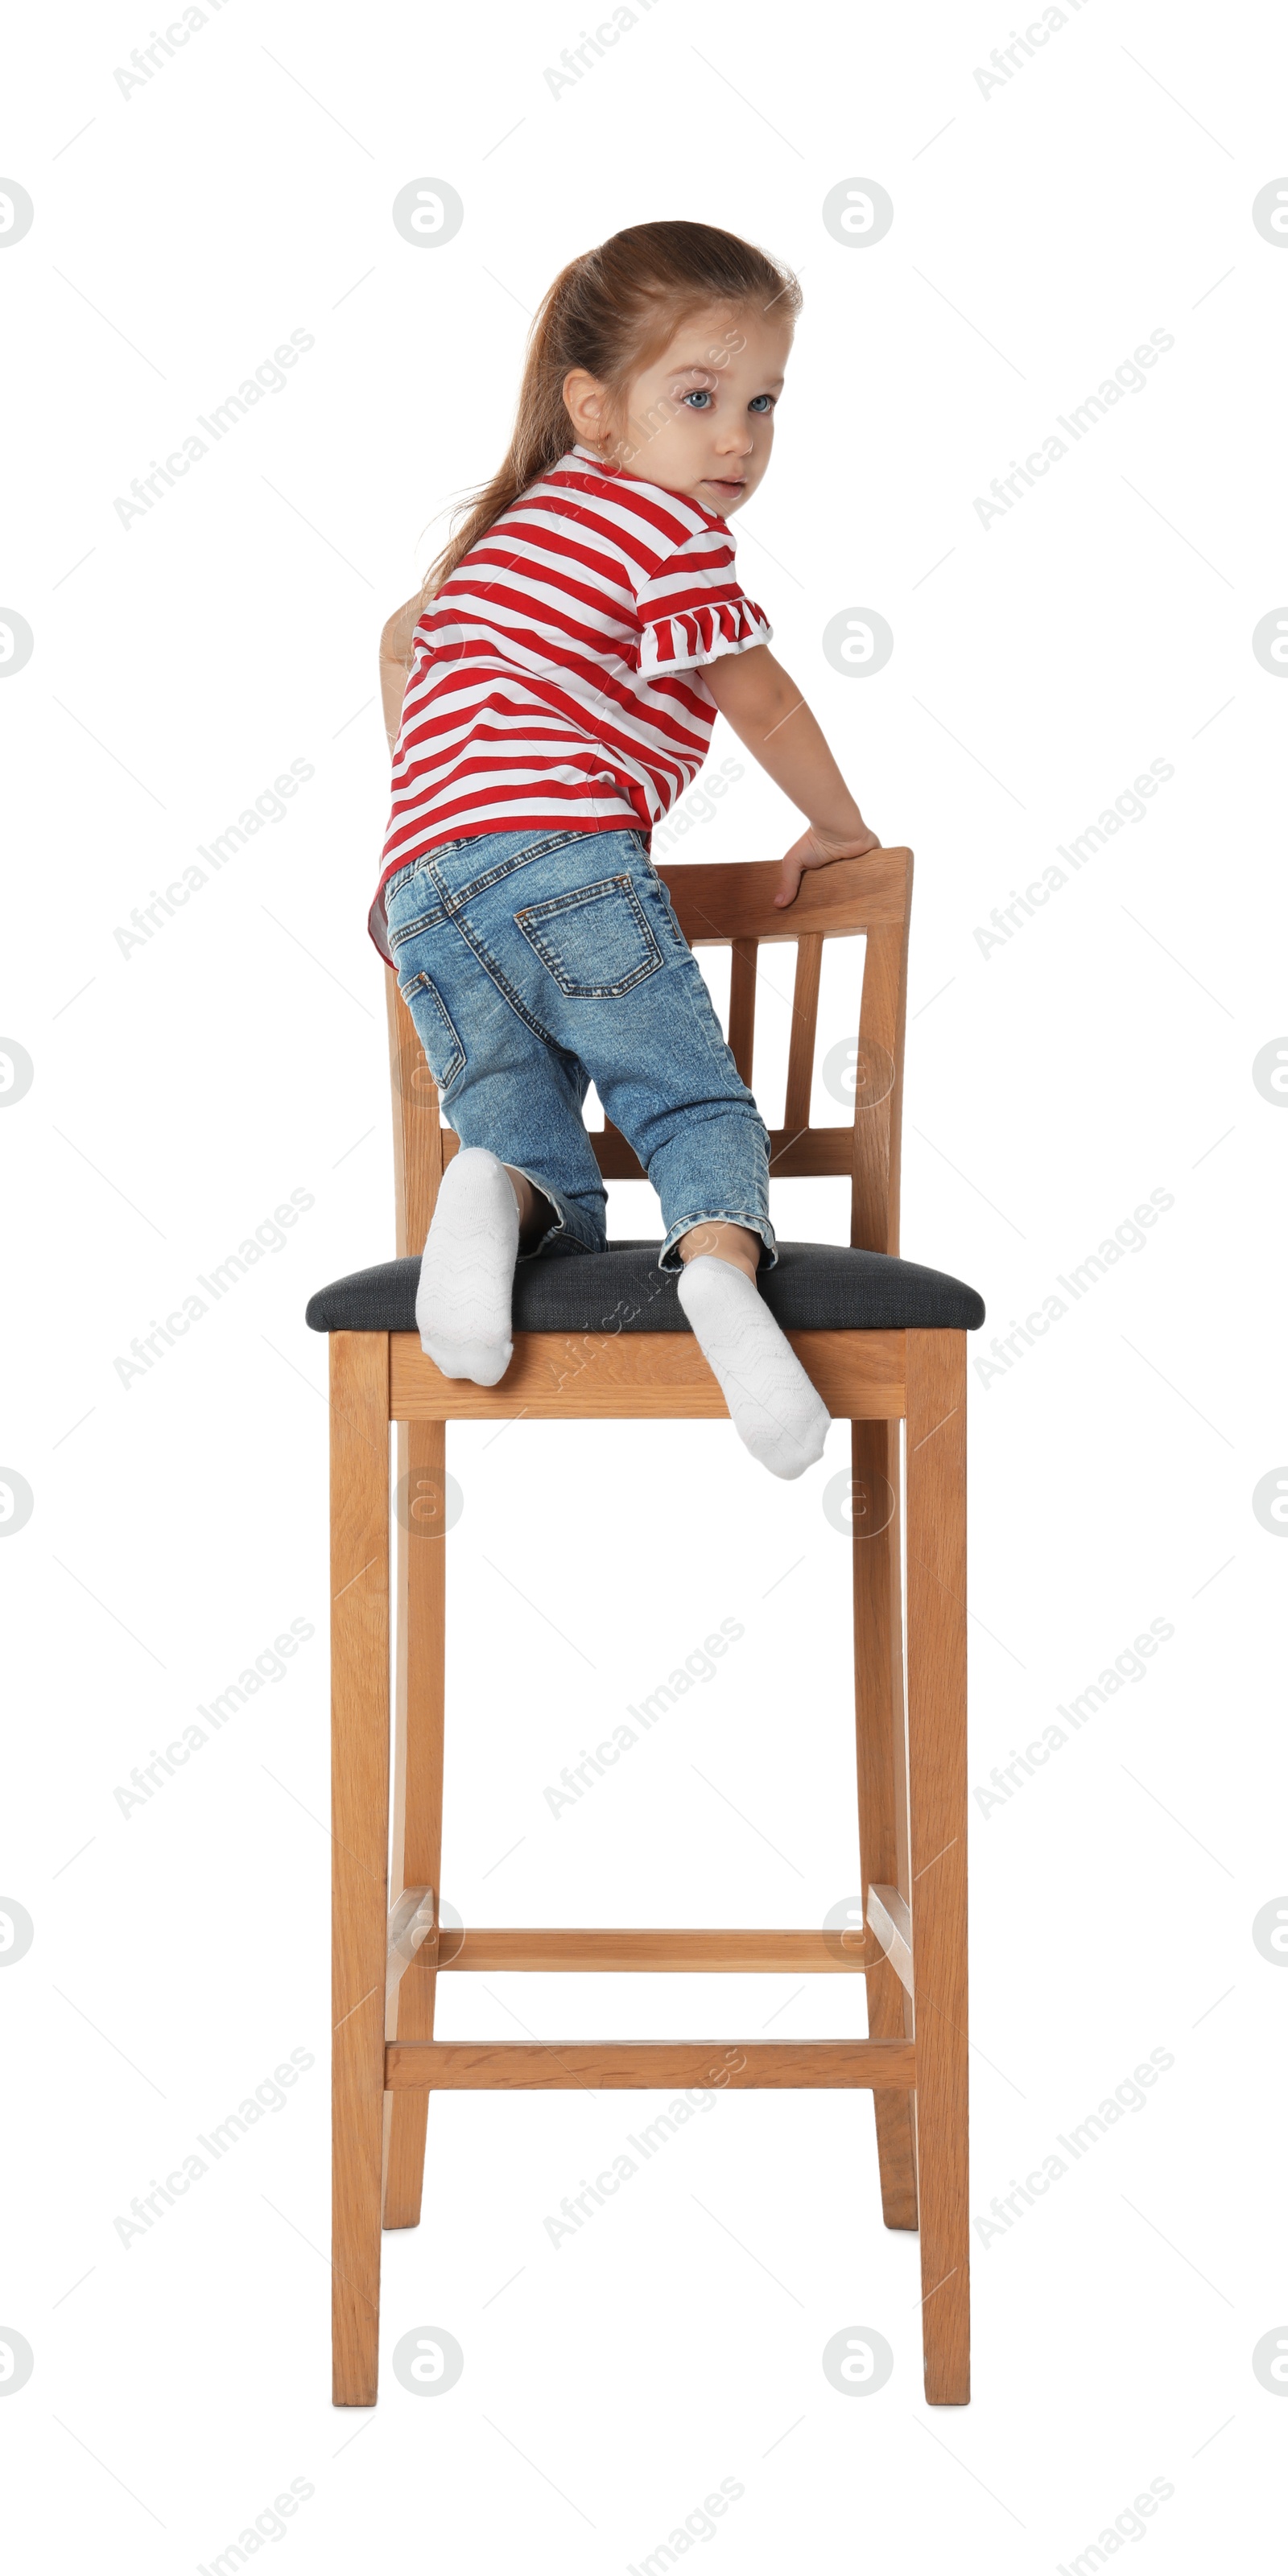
point(182, 1090)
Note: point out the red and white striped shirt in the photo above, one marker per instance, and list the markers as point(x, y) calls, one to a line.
point(555, 680)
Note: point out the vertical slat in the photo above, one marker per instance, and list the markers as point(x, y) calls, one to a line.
point(611, 1150)
point(800, 1053)
point(882, 1776)
point(874, 1207)
point(359, 1845)
point(742, 1004)
point(418, 1131)
point(418, 1776)
point(936, 1480)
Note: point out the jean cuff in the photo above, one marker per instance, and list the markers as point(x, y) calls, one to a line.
point(669, 1259)
point(568, 1230)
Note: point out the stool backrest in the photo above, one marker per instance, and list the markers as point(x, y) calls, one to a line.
point(732, 906)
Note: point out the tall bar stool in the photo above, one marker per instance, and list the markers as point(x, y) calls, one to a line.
point(602, 1336)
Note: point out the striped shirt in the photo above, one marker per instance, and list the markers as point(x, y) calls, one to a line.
point(555, 680)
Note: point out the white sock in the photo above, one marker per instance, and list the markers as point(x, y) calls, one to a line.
point(466, 1283)
point(777, 1413)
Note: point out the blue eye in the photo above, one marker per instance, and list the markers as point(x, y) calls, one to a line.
point(760, 402)
point(698, 396)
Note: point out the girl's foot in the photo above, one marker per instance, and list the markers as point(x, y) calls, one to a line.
point(777, 1413)
point(466, 1281)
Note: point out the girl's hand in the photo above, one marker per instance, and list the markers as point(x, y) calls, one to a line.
point(817, 849)
point(395, 662)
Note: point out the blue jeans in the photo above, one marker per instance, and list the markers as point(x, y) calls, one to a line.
point(534, 964)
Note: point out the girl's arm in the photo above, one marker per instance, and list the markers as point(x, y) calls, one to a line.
point(769, 716)
point(395, 662)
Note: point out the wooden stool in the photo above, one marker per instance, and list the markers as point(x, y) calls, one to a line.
point(891, 1349)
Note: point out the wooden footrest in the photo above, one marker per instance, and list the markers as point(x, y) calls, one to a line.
point(509, 1946)
point(461, 2065)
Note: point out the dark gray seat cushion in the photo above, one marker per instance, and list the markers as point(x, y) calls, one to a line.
point(815, 1287)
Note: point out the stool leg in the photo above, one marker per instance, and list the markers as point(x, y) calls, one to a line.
point(882, 1756)
point(418, 1777)
point(359, 1846)
point(936, 1473)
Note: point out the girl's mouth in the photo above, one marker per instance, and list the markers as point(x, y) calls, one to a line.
point(719, 483)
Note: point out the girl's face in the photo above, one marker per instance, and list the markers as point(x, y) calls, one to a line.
point(699, 419)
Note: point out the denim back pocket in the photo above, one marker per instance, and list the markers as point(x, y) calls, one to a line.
point(432, 1021)
point(596, 941)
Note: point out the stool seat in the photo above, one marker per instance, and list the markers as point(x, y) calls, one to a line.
point(813, 1287)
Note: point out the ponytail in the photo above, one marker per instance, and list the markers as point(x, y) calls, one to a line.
point(610, 312)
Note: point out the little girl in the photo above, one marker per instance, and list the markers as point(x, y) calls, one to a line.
point(563, 665)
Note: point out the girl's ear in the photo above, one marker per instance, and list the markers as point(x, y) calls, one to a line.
point(586, 403)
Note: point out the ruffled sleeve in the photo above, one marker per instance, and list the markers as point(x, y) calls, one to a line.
point(692, 610)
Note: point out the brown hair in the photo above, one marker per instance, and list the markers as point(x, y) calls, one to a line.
point(610, 312)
